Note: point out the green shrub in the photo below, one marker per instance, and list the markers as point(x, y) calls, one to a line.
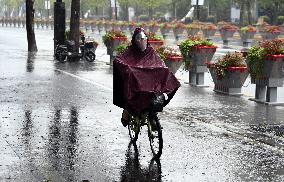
point(280, 20)
point(265, 18)
point(143, 17)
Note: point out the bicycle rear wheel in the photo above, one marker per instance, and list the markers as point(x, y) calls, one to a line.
point(155, 136)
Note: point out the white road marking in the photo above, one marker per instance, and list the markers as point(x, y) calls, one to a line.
point(84, 79)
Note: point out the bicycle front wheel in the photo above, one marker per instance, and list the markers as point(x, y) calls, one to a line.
point(134, 130)
point(155, 136)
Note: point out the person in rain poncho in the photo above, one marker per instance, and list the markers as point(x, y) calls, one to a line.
point(139, 75)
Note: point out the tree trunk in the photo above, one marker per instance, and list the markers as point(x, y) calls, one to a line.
point(242, 13)
point(75, 23)
point(174, 9)
point(249, 9)
point(126, 12)
point(32, 47)
point(150, 13)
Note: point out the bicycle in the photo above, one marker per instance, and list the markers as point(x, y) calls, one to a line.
point(149, 118)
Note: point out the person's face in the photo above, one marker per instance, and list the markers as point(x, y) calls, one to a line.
point(141, 41)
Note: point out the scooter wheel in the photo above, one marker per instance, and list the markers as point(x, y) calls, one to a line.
point(90, 56)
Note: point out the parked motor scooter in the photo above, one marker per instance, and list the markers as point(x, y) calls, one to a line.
point(87, 50)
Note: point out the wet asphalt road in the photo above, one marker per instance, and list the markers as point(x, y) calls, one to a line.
point(57, 123)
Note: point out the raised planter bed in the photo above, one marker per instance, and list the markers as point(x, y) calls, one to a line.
point(156, 43)
point(233, 81)
point(200, 56)
point(273, 77)
point(174, 63)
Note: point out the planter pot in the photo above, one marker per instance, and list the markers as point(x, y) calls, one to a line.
point(100, 27)
point(281, 28)
point(174, 63)
point(247, 38)
point(178, 32)
point(156, 43)
point(202, 55)
point(116, 27)
point(192, 31)
point(226, 35)
point(113, 45)
point(153, 29)
point(199, 57)
point(272, 69)
point(107, 27)
point(93, 26)
point(24, 23)
point(207, 33)
point(123, 28)
point(165, 32)
point(131, 28)
point(232, 82)
point(269, 35)
point(273, 77)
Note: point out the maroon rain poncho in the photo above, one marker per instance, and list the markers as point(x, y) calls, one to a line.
point(139, 76)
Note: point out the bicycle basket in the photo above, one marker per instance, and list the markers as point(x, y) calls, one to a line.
point(157, 103)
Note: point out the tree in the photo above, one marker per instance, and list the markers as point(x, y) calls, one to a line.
point(245, 11)
point(92, 5)
point(75, 23)
point(32, 47)
point(272, 8)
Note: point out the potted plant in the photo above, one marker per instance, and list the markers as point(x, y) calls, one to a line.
point(82, 24)
point(112, 39)
point(115, 25)
point(178, 29)
point(229, 74)
point(265, 63)
point(100, 25)
point(143, 25)
point(270, 32)
point(227, 31)
point(282, 28)
point(209, 30)
point(171, 56)
point(247, 33)
point(153, 26)
point(261, 24)
point(165, 28)
point(154, 40)
point(88, 24)
point(121, 48)
point(196, 53)
point(108, 26)
point(36, 23)
point(131, 26)
point(123, 26)
point(192, 29)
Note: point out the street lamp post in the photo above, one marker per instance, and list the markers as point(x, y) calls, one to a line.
point(197, 4)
